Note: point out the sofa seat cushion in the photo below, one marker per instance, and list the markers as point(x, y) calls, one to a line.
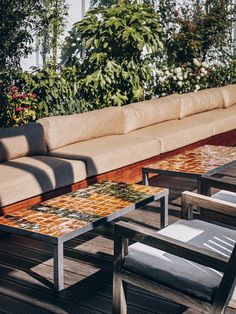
point(223, 120)
point(175, 272)
point(177, 133)
point(144, 113)
point(30, 176)
point(110, 152)
point(22, 141)
point(65, 130)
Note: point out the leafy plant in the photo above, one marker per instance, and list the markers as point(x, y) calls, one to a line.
point(56, 88)
point(53, 21)
point(201, 30)
point(102, 3)
point(18, 23)
point(116, 45)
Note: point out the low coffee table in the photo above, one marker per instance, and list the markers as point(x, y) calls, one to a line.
point(193, 163)
point(65, 217)
point(222, 179)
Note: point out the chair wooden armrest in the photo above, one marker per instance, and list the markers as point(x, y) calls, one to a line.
point(125, 231)
point(190, 199)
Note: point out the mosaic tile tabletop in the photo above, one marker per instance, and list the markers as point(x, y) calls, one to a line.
point(64, 214)
point(197, 161)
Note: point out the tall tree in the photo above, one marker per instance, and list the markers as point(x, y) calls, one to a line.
point(18, 24)
point(53, 20)
point(108, 3)
point(201, 30)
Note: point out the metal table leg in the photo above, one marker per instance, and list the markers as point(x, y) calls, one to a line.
point(164, 211)
point(145, 180)
point(58, 267)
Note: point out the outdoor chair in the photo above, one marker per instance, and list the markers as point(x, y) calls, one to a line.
point(191, 262)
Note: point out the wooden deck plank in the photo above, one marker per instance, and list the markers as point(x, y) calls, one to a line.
point(26, 269)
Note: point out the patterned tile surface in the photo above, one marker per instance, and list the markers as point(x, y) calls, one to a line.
point(61, 215)
point(197, 161)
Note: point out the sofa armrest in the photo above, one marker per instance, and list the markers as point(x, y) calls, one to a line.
point(190, 199)
point(125, 231)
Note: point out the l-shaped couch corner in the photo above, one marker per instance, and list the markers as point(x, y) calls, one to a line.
point(58, 154)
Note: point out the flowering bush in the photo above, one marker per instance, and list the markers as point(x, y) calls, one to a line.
point(191, 77)
point(21, 107)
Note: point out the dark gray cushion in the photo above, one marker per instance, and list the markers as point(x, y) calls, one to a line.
point(178, 273)
point(225, 196)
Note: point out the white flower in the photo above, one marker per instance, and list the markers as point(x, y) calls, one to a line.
point(175, 78)
point(197, 87)
point(163, 94)
point(196, 62)
point(178, 70)
point(204, 71)
point(180, 84)
point(180, 77)
point(159, 73)
point(185, 75)
point(162, 79)
point(204, 64)
point(167, 73)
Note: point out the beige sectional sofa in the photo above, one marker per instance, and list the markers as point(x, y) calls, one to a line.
point(59, 151)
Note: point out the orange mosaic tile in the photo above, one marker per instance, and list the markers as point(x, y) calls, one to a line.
point(197, 161)
point(63, 214)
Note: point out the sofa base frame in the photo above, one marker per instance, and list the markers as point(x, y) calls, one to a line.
point(129, 174)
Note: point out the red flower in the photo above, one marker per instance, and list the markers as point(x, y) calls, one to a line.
point(20, 109)
point(34, 95)
point(14, 88)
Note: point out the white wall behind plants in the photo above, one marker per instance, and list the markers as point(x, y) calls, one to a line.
point(77, 9)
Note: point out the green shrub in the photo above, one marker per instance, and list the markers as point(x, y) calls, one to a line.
point(192, 77)
point(116, 44)
point(57, 90)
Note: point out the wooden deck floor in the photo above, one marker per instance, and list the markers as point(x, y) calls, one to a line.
point(26, 269)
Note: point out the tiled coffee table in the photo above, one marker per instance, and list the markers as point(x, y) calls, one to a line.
point(193, 163)
point(62, 218)
point(222, 179)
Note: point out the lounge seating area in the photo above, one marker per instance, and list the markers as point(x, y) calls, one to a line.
point(117, 157)
point(58, 152)
point(45, 165)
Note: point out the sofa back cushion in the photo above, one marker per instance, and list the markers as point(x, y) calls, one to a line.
point(64, 130)
point(229, 94)
point(22, 141)
point(141, 114)
point(196, 102)
point(216, 96)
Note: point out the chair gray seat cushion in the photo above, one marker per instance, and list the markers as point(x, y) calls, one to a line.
point(174, 272)
point(225, 196)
